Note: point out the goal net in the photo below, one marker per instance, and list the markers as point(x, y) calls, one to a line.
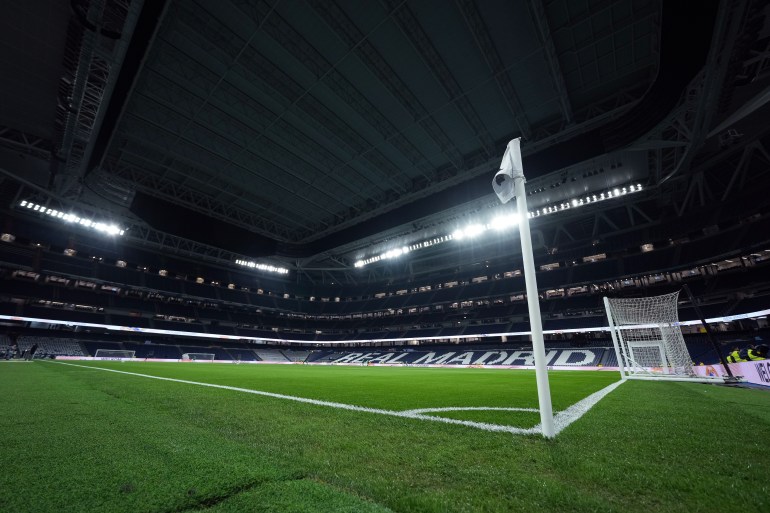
point(647, 338)
point(198, 357)
point(113, 354)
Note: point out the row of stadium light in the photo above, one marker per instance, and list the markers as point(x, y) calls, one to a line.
point(587, 200)
point(502, 223)
point(262, 267)
point(471, 231)
point(109, 229)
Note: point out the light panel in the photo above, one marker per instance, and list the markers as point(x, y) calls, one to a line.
point(262, 267)
point(108, 229)
point(505, 222)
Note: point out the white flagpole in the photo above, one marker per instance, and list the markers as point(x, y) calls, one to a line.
point(512, 171)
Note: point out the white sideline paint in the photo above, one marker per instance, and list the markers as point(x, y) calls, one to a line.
point(561, 419)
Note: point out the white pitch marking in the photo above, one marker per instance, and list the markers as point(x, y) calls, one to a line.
point(469, 408)
point(566, 417)
point(561, 420)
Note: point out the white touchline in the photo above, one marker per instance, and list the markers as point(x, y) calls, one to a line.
point(561, 419)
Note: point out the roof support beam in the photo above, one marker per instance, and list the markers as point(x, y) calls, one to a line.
point(410, 26)
point(348, 32)
point(188, 197)
point(137, 233)
point(537, 9)
point(480, 33)
point(326, 72)
point(91, 83)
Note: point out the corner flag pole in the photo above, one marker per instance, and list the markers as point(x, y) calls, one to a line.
point(509, 183)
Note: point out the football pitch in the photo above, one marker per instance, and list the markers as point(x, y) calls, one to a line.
point(332, 438)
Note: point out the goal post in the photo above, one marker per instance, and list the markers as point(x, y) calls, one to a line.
point(198, 357)
point(114, 354)
point(648, 340)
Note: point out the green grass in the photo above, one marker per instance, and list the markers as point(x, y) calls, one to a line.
point(75, 439)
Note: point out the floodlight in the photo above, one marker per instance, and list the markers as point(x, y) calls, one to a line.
point(23, 203)
point(474, 230)
point(505, 221)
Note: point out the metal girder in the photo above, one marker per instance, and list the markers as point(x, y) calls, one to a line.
point(481, 34)
point(599, 217)
point(144, 235)
point(272, 161)
point(137, 233)
point(237, 104)
point(194, 112)
point(537, 9)
point(91, 73)
point(757, 66)
point(324, 71)
point(606, 109)
point(692, 120)
point(196, 201)
point(753, 105)
point(561, 229)
point(634, 211)
point(254, 69)
point(150, 158)
point(188, 148)
point(696, 195)
point(281, 161)
point(356, 40)
point(284, 90)
point(414, 32)
point(751, 151)
point(26, 143)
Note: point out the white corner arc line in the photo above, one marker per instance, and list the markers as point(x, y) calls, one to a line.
point(561, 420)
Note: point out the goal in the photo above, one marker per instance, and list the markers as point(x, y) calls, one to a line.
point(647, 338)
point(198, 357)
point(113, 354)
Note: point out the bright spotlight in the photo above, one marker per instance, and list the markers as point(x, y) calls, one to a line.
point(473, 230)
point(505, 222)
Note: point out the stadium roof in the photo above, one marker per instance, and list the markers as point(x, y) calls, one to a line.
point(315, 132)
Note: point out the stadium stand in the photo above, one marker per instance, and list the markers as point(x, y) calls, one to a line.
point(271, 356)
point(51, 346)
point(294, 355)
